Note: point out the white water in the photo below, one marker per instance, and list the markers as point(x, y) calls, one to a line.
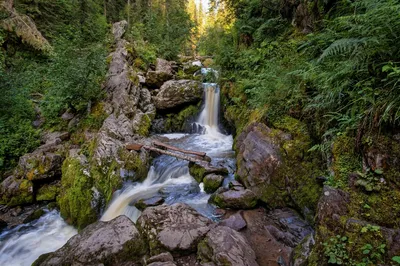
point(23, 244)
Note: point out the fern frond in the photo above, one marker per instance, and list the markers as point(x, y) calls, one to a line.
point(342, 47)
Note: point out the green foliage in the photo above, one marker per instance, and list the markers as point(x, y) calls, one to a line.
point(336, 251)
point(159, 28)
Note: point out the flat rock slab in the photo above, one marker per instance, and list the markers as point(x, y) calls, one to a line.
point(150, 202)
point(177, 228)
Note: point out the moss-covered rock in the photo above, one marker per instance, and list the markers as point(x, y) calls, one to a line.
point(276, 165)
point(234, 199)
point(34, 215)
point(212, 182)
point(77, 197)
point(14, 192)
point(48, 192)
point(198, 172)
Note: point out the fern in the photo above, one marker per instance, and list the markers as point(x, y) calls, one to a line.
point(343, 47)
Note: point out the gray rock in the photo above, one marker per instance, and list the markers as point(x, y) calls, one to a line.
point(225, 246)
point(167, 263)
point(177, 228)
point(118, 29)
point(155, 79)
point(331, 206)
point(303, 251)
point(165, 66)
point(176, 93)
point(234, 199)
point(258, 156)
point(67, 116)
point(145, 203)
point(111, 243)
point(235, 221)
point(212, 182)
point(40, 165)
point(162, 257)
point(14, 191)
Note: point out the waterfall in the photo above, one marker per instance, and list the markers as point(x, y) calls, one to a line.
point(209, 116)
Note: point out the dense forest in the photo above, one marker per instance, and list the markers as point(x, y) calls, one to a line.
point(310, 87)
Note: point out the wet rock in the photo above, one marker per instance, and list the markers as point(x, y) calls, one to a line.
point(235, 221)
point(177, 191)
point(162, 257)
point(225, 246)
point(212, 182)
point(110, 243)
point(3, 225)
point(233, 199)
point(175, 93)
point(14, 191)
point(34, 216)
point(199, 171)
point(177, 228)
point(151, 202)
point(258, 156)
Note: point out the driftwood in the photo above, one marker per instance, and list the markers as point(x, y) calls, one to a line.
point(200, 157)
point(169, 147)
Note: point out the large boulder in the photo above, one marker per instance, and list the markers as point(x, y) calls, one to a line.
point(104, 243)
point(225, 246)
point(15, 191)
point(175, 93)
point(164, 71)
point(41, 165)
point(177, 228)
point(234, 199)
point(199, 170)
point(258, 155)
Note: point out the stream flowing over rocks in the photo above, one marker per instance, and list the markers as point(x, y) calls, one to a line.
point(141, 208)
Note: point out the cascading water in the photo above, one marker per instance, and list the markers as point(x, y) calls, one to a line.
point(168, 172)
point(168, 178)
point(23, 244)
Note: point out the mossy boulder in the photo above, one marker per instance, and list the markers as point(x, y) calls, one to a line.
point(77, 199)
point(48, 192)
point(199, 170)
point(234, 199)
point(179, 121)
point(212, 182)
point(275, 164)
point(14, 191)
point(34, 215)
point(177, 93)
point(40, 165)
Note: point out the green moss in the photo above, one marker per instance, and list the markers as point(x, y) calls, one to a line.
point(345, 161)
point(75, 199)
point(35, 215)
point(107, 179)
point(133, 162)
point(23, 196)
point(177, 122)
point(197, 172)
point(144, 126)
point(47, 192)
point(212, 184)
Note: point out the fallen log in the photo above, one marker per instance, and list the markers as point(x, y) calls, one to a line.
point(169, 147)
point(177, 155)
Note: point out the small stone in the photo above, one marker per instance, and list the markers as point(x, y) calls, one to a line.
point(162, 257)
point(67, 115)
point(235, 221)
point(144, 203)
